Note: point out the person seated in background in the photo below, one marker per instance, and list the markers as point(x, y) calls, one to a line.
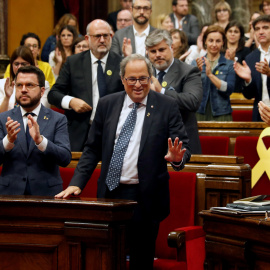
point(124, 19)
point(22, 56)
point(112, 17)
point(179, 44)
point(198, 50)
point(218, 78)
point(80, 45)
point(63, 48)
point(32, 41)
point(265, 7)
point(163, 21)
point(50, 44)
point(34, 140)
point(176, 79)
point(250, 36)
point(235, 49)
point(223, 12)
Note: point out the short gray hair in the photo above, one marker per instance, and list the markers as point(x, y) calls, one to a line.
point(134, 57)
point(133, 1)
point(156, 36)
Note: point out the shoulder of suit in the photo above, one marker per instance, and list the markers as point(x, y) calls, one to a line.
point(123, 31)
point(253, 55)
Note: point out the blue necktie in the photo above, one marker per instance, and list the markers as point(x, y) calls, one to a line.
point(160, 76)
point(116, 164)
point(28, 137)
point(101, 80)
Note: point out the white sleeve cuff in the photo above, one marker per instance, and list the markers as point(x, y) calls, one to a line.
point(43, 145)
point(7, 145)
point(65, 102)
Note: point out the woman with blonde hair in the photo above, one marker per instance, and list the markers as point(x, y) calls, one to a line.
point(223, 12)
point(50, 44)
point(164, 22)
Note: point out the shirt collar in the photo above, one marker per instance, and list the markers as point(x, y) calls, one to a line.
point(94, 59)
point(145, 32)
point(262, 51)
point(35, 111)
point(130, 102)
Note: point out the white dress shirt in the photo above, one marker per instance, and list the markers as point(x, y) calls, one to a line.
point(265, 95)
point(140, 39)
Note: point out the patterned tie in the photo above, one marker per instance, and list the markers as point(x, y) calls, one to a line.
point(115, 168)
point(28, 137)
point(101, 80)
point(160, 76)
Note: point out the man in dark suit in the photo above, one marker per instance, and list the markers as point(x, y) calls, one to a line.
point(255, 70)
point(112, 17)
point(184, 21)
point(131, 39)
point(142, 175)
point(179, 81)
point(30, 160)
point(79, 85)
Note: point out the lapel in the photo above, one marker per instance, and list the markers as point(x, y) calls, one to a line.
point(21, 137)
point(150, 113)
point(170, 76)
point(87, 70)
point(131, 35)
point(43, 120)
point(110, 69)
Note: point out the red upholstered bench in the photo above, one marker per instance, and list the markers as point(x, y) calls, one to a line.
point(242, 115)
point(58, 110)
point(215, 145)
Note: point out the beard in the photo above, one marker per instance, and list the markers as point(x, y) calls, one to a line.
point(162, 66)
point(141, 20)
point(29, 103)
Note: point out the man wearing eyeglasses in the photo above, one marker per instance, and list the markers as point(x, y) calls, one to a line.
point(33, 140)
point(184, 21)
point(131, 39)
point(135, 133)
point(84, 78)
point(178, 80)
point(124, 19)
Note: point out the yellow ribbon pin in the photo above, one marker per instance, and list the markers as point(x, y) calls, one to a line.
point(263, 164)
point(164, 84)
point(109, 72)
point(217, 72)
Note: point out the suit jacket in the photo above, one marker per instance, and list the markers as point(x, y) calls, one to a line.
point(112, 19)
point(162, 120)
point(254, 89)
point(183, 83)
point(75, 79)
point(190, 27)
point(117, 41)
point(40, 168)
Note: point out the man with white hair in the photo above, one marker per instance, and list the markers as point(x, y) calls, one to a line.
point(84, 78)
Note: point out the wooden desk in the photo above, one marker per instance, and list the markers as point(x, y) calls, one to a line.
point(236, 242)
point(47, 234)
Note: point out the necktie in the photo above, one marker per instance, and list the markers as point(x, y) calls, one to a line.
point(101, 80)
point(28, 137)
point(160, 76)
point(115, 167)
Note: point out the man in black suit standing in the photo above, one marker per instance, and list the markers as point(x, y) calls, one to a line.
point(84, 78)
point(131, 39)
point(184, 21)
point(177, 80)
point(135, 168)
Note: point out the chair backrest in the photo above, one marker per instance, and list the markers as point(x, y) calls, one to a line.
point(215, 145)
point(90, 189)
point(242, 115)
point(182, 210)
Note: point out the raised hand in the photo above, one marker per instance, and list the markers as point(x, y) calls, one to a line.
point(12, 129)
point(175, 151)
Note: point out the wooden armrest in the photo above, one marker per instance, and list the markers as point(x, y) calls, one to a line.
point(176, 239)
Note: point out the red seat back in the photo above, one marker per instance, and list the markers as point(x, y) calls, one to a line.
point(242, 115)
point(215, 145)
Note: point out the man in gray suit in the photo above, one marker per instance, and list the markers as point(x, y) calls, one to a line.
point(131, 39)
point(177, 80)
point(34, 140)
point(184, 21)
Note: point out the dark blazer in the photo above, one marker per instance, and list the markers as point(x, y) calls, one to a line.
point(75, 79)
point(254, 89)
point(117, 41)
point(40, 168)
point(183, 83)
point(190, 27)
point(162, 120)
point(112, 19)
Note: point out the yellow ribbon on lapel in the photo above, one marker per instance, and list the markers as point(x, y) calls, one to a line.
point(263, 165)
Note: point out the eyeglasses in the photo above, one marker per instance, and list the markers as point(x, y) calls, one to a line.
point(82, 46)
point(133, 81)
point(28, 86)
point(23, 64)
point(221, 10)
point(34, 46)
point(98, 36)
point(137, 8)
point(123, 20)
